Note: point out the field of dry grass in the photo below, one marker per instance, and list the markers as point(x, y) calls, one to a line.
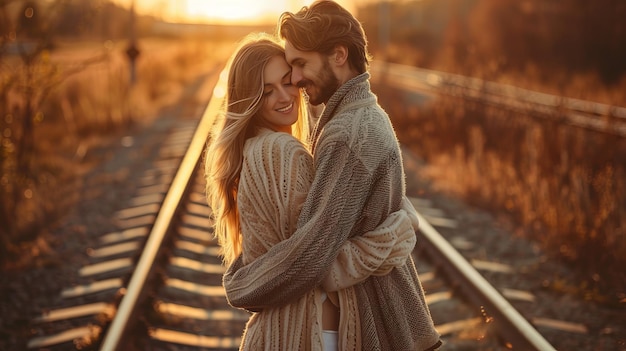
point(70, 100)
point(564, 187)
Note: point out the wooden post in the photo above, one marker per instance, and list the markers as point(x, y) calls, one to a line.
point(132, 51)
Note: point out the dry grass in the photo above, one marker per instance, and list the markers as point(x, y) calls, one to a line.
point(91, 101)
point(564, 186)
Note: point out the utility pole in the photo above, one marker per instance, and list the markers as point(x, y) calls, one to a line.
point(132, 51)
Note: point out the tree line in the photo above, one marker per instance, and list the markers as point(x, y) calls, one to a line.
point(36, 20)
point(463, 35)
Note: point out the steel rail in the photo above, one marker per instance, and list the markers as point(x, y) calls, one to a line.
point(119, 328)
point(509, 322)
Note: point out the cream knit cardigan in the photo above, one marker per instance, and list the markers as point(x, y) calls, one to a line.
point(359, 181)
point(276, 175)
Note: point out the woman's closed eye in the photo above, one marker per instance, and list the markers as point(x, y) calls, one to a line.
point(269, 92)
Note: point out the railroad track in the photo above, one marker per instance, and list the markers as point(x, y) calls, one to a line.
point(584, 114)
point(155, 284)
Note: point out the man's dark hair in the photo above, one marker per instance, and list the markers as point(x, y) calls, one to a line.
point(322, 26)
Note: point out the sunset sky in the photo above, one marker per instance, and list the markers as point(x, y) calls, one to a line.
point(221, 11)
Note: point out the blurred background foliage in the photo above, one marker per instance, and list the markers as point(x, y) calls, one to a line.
point(548, 39)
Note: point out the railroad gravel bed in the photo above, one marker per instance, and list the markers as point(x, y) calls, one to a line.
point(109, 184)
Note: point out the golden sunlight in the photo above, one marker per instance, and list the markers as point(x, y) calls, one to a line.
point(221, 11)
point(231, 10)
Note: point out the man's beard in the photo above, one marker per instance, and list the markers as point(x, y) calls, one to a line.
point(328, 85)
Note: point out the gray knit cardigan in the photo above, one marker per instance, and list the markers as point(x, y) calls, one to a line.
point(359, 181)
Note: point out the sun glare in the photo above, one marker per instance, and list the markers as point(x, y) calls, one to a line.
point(239, 10)
point(221, 11)
point(226, 10)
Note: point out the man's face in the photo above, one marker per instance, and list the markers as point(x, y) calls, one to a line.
point(312, 71)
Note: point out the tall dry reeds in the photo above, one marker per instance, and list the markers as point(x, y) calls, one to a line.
point(565, 187)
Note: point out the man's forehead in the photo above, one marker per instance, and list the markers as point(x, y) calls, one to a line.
point(290, 50)
point(291, 53)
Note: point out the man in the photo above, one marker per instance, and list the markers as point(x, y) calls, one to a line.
point(359, 181)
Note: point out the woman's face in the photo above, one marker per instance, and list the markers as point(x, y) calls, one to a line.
point(281, 99)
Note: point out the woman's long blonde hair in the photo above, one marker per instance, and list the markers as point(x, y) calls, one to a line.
point(238, 122)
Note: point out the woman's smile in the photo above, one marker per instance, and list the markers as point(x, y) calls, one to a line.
point(286, 109)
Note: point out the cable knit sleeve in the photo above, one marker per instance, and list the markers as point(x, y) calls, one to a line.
point(377, 252)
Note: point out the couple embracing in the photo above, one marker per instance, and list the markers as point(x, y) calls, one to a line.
point(310, 211)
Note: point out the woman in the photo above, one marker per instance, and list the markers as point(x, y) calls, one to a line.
point(258, 173)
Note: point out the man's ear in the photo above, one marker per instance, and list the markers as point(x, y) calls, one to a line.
point(340, 55)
